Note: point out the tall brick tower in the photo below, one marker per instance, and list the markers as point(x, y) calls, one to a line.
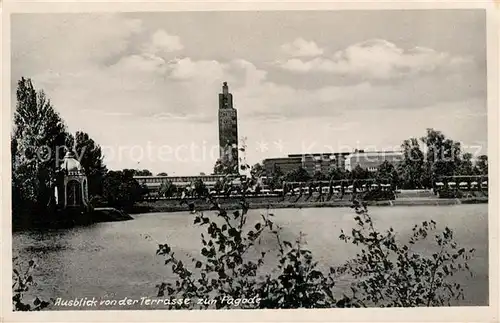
point(228, 129)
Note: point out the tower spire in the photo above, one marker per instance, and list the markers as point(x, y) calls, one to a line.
point(225, 98)
point(228, 129)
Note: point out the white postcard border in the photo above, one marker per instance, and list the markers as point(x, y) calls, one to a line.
point(451, 314)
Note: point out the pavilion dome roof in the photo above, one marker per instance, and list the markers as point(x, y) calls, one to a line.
point(71, 164)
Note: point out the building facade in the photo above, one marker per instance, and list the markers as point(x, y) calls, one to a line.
point(321, 162)
point(326, 162)
point(154, 182)
point(285, 164)
point(312, 163)
point(318, 164)
point(228, 129)
point(371, 160)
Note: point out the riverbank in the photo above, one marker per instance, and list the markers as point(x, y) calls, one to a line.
point(174, 205)
point(107, 214)
point(67, 218)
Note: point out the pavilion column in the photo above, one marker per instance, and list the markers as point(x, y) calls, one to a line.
point(65, 203)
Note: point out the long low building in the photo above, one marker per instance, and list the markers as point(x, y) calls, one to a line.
point(325, 162)
point(311, 162)
point(322, 162)
point(371, 160)
point(153, 182)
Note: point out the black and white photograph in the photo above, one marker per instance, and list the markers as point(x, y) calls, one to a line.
point(249, 160)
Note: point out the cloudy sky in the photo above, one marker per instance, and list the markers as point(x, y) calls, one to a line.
point(145, 85)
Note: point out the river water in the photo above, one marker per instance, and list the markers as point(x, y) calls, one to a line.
point(115, 260)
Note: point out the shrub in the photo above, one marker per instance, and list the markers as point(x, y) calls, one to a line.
point(98, 201)
point(388, 272)
point(385, 273)
point(21, 284)
point(226, 272)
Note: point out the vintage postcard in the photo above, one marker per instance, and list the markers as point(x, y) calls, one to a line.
point(250, 161)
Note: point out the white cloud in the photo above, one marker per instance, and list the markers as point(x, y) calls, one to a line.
point(63, 42)
point(139, 93)
point(146, 85)
point(302, 48)
point(144, 63)
point(161, 42)
point(378, 59)
point(187, 69)
point(314, 65)
point(246, 72)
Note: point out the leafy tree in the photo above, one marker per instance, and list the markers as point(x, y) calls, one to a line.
point(336, 174)
point(443, 155)
point(38, 143)
point(218, 186)
point(257, 170)
point(162, 174)
point(276, 178)
point(91, 159)
point(387, 171)
point(120, 188)
point(297, 175)
point(142, 172)
point(225, 167)
point(319, 176)
point(167, 189)
point(412, 170)
point(452, 158)
point(200, 189)
point(434, 141)
point(481, 165)
point(466, 165)
point(359, 173)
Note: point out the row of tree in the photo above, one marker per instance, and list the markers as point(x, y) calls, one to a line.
point(442, 157)
point(418, 169)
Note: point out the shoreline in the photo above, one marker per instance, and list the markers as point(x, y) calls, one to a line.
point(107, 214)
point(168, 206)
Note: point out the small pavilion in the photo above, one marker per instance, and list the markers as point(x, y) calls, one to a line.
point(72, 184)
